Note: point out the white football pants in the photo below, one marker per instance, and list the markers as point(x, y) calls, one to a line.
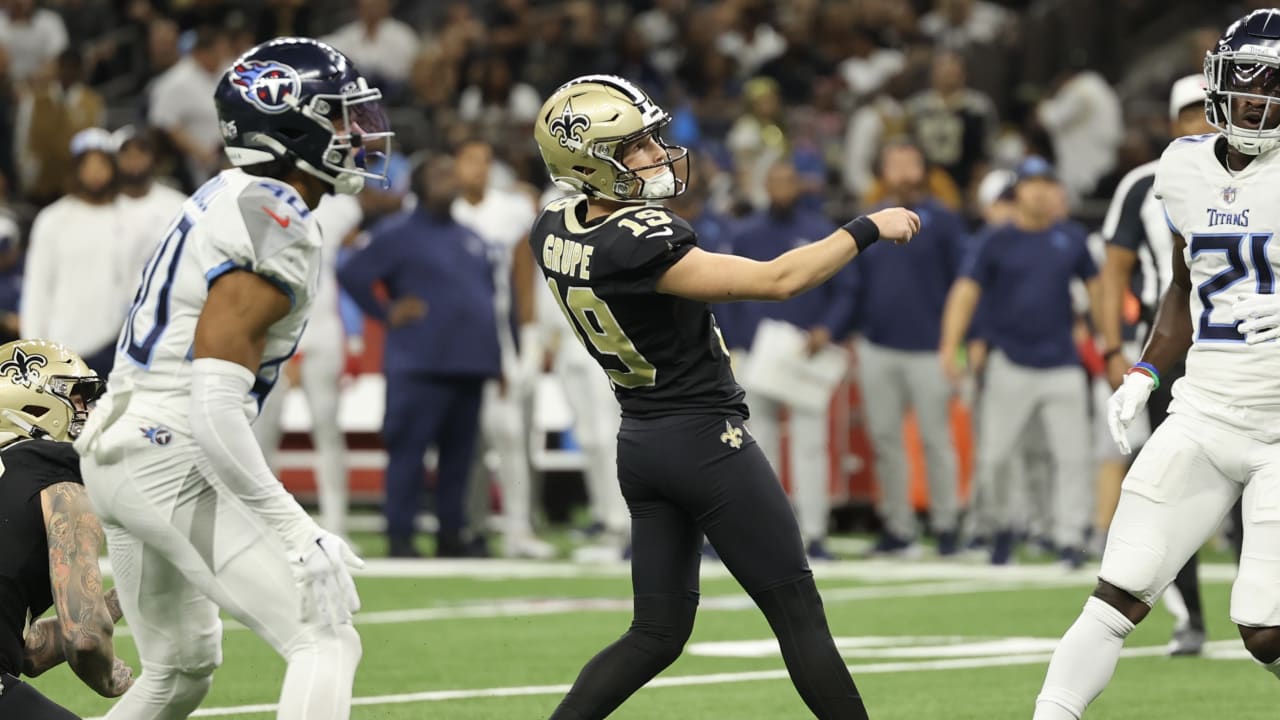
point(809, 452)
point(1178, 491)
point(504, 431)
point(182, 546)
point(596, 420)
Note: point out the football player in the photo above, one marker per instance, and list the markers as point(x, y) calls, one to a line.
point(49, 534)
point(634, 287)
point(1219, 442)
point(193, 516)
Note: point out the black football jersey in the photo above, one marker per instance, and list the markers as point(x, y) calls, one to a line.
point(663, 354)
point(29, 466)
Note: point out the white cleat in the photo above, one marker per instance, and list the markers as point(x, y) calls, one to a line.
point(527, 547)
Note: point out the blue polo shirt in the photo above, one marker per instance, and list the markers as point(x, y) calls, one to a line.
point(902, 289)
point(1026, 291)
point(767, 235)
point(446, 266)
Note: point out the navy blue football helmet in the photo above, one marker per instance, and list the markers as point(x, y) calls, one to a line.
point(1245, 65)
point(299, 99)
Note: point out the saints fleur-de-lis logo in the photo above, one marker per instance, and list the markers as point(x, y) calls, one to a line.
point(23, 368)
point(568, 128)
point(731, 436)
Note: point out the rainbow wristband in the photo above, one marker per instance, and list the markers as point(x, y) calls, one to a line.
point(1147, 369)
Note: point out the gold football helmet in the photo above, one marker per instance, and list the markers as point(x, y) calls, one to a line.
point(45, 390)
point(583, 128)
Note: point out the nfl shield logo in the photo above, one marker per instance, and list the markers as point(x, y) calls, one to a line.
point(1228, 195)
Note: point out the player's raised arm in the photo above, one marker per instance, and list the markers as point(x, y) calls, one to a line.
point(717, 278)
point(83, 628)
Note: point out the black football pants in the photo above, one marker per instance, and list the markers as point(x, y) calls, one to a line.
point(18, 700)
point(689, 475)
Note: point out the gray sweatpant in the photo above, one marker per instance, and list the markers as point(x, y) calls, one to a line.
point(1015, 398)
point(893, 382)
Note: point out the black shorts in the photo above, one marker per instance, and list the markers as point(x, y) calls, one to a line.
point(685, 476)
point(20, 700)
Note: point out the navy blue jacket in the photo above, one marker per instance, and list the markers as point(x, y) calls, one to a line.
point(767, 235)
point(445, 265)
point(1026, 291)
point(902, 289)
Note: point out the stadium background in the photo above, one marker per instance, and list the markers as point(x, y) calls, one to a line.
point(477, 67)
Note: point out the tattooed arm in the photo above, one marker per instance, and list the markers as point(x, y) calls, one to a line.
point(43, 651)
point(83, 627)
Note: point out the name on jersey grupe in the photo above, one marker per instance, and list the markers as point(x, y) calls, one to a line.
point(567, 257)
point(1217, 217)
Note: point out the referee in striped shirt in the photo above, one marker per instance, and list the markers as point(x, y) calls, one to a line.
point(1139, 253)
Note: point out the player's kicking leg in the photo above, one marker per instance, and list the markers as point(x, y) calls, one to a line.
point(181, 549)
point(1173, 498)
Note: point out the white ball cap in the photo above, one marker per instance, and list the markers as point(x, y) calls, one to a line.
point(1186, 91)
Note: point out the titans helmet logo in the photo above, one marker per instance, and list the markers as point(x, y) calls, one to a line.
point(568, 128)
point(23, 368)
point(266, 84)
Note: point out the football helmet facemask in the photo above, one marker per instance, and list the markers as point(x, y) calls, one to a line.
point(45, 390)
point(1242, 75)
point(586, 125)
point(299, 99)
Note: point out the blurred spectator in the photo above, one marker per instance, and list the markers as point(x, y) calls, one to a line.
point(148, 206)
point(709, 78)
point(382, 47)
point(54, 108)
point(957, 24)
point(11, 252)
point(494, 99)
point(1022, 273)
point(954, 124)
point(632, 63)
point(784, 225)
point(433, 85)
point(509, 29)
point(317, 370)
point(180, 107)
point(873, 124)
point(32, 36)
point(1084, 119)
point(502, 219)
point(901, 292)
point(868, 66)
point(76, 287)
point(162, 46)
point(441, 348)
point(660, 27)
point(758, 139)
point(798, 68)
point(750, 37)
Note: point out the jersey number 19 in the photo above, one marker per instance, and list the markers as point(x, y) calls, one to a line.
point(598, 329)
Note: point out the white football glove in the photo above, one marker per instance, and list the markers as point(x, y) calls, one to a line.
point(322, 570)
point(1125, 404)
point(1260, 316)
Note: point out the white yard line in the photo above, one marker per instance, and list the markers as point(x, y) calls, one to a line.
point(708, 679)
point(888, 570)
point(521, 607)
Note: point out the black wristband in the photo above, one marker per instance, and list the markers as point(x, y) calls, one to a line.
point(1108, 354)
point(864, 232)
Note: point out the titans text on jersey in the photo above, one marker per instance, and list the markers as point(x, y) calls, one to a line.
point(664, 354)
point(1227, 220)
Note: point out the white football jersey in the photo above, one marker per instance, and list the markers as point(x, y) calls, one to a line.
point(1228, 220)
point(234, 221)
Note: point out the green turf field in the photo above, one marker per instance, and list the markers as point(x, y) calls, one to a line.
point(495, 639)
